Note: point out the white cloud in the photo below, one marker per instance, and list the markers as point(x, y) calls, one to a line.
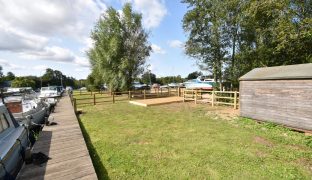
point(56, 54)
point(14, 40)
point(81, 69)
point(176, 44)
point(45, 17)
point(41, 68)
point(7, 65)
point(30, 29)
point(53, 53)
point(88, 43)
point(82, 61)
point(157, 49)
point(153, 11)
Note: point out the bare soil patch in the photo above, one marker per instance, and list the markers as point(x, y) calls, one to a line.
point(263, 141)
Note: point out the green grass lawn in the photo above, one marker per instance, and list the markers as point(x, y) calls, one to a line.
point(183, 141)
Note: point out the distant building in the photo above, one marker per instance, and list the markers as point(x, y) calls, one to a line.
point(281, 94)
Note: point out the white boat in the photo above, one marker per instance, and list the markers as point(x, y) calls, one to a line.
point(49, 92)
point(50, 95)
point(22, 106)
point(200, 83)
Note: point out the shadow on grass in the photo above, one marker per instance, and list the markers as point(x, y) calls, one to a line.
point(101, 171)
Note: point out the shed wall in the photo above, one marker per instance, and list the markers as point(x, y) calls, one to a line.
point(287, 102)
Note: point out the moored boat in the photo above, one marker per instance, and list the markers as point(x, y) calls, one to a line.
point(13, 144)
point(22, 106)
point(200, 83)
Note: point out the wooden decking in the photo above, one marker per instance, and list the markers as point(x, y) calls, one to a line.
point(65, 145)
point(157, 101)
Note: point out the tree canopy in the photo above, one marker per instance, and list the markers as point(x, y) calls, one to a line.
point(229, 38)
point(120, 48)
point(148, 78)
point(194, 75)
point(23, 82)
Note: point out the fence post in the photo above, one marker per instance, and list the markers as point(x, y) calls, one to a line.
point(212, 99)
point(160, 91)
point(91, 92)
point(184, 96)
point(94, 99)
point(75, 105)
point(196, 96)
point(144, 94)
point(113, 97)
point(178, 91)
point(235, 100)
point(169, 91)
point(129, 94)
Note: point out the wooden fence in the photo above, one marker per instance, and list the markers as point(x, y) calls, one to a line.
point(93, 98)
point(198, 96)
point(214, 97)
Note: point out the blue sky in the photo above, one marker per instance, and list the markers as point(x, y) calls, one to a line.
point(40, 34)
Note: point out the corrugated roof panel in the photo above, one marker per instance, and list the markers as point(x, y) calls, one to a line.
point(299, 71)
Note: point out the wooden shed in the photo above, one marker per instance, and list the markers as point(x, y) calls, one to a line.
point(281, 94)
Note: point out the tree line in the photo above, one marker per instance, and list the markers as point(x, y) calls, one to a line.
point(49, 78)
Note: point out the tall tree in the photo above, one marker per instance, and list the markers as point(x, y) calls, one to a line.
point(235, 36)
point(10, 76)
point(120, 48)
point(148, 78)
point(205, 25)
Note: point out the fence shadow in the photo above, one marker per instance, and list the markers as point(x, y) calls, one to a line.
point(100, 169)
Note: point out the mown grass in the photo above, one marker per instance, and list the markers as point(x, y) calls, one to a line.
point(184, 142)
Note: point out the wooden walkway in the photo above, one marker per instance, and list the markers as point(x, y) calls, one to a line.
point(66, 147)
point(157, 101)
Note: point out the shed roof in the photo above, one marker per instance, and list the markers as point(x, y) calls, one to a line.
point(299, 71)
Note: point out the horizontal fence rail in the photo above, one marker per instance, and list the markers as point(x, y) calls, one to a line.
point(214, 97)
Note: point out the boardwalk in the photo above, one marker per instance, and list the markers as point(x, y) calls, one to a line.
point(65, 145)
point(157, 101)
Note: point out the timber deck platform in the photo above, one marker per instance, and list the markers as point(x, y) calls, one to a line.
point(65, 145)
point(157, 101)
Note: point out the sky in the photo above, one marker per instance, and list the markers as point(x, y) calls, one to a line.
point(40, 34)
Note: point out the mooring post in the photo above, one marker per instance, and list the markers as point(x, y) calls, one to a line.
point(144, 94)
point(129, 95)
point(235, 100)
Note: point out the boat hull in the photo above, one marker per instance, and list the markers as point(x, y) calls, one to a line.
point(38, 116)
